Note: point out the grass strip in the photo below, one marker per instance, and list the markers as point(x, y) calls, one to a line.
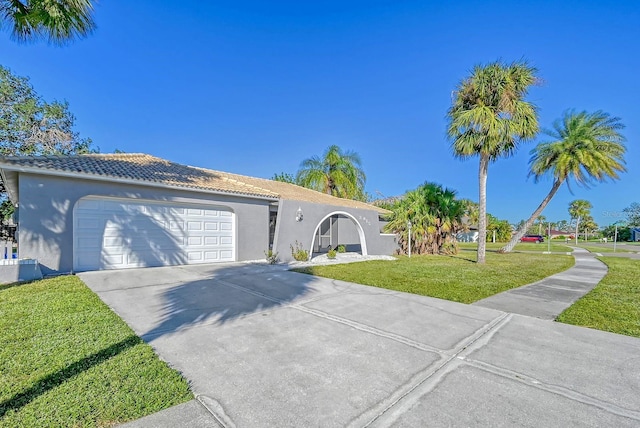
point(522, 246)
point(614, 304)
point(602, 249)
point(457, 278)
point(67, 360)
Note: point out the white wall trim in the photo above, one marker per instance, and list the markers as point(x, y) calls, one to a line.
point(363, 241)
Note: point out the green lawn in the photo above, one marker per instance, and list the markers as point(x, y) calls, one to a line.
point(456, 278)
point(603, 249)
point(614, 305)
point(67, 360)
point(522, 246)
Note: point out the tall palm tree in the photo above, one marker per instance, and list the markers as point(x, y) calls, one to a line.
point(338, 173)
point(57, 21)
point(489, 117)
point(586, 147)
point(579, 210)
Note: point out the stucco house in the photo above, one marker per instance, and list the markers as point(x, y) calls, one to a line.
point(115, 211)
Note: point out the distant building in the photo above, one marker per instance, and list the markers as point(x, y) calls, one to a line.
point(557, 233)
point(635, 234)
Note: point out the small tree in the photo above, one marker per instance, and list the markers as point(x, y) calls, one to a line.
point(338, 173)
point(285, 177)
point(435, 215)
point(30, 126)
point(502, 229)
point(633, 214)
point(579, 210)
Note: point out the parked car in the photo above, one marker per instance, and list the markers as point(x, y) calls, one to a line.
point(532, 238)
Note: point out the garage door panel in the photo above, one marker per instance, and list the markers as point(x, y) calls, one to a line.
point(211, 225)
point(211, 240)
point(177, 226)
point(88, 257)
point(195, 256)
point(108, 241)
point(113, 260)
point(194, 240)
point(195, 212)
point(89, 244)
point(116, 234)
point(89, 223)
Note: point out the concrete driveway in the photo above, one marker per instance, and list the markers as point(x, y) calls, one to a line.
point(262, 346)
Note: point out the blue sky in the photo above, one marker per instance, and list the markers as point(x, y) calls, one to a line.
point(256, 87)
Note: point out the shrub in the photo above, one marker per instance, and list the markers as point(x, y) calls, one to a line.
point(342, 249)
point(299, 253)
point(449, 248)
point(561, 237)
point(272, 258)
point(332, 253)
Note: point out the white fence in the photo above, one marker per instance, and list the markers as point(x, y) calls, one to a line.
point(8, 251)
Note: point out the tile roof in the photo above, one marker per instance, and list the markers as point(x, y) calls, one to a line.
point(147, 168)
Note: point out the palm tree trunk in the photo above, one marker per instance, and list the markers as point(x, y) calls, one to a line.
point(527, 224)
point(482, 221)
point(577, 223)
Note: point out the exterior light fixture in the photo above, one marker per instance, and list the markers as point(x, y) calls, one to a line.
point(299, 215)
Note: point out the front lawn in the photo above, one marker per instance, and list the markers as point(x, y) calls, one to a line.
point(67, 360)
point(614, 305)
point(456, 278)
point(602, 249)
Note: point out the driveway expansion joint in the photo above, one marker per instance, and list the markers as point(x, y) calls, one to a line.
point(427, 379)
point(555, 389)
point(216, 410)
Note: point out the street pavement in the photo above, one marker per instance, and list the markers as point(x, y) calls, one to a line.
point(263, 346)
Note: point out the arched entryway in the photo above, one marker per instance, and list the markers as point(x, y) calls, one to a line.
point(336, 226)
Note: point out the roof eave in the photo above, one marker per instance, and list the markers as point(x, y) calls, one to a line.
point(81, 175)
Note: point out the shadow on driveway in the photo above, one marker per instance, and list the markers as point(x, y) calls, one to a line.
point(161, 301)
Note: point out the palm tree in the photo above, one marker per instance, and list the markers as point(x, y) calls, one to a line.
point(489, 117)
point(580, 209)
point(435, 215)
point(338, 173)
point(587, 147)
point(541, 219)
point(588, 226)
point(57, 21)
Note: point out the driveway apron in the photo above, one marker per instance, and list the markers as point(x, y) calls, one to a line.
point(263, 346)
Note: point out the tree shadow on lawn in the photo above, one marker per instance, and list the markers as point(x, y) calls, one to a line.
point(56, 379)
point(226, 294)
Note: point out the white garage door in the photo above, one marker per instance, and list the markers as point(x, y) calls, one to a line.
point(118, 234)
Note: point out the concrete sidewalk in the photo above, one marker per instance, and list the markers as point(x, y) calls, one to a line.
point(547, 298)
point(262, 346)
